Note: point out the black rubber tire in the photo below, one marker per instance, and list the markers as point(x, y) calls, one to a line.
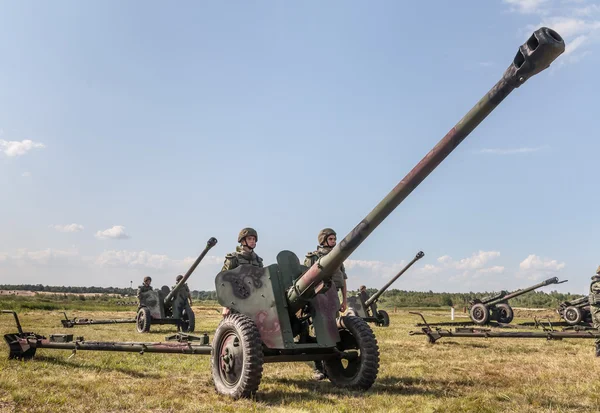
point(361, 373)
point(504, 313)
point(573, 315)
point(384, 317)
point(480, 314)
point(189, 321)
point(143, 320)
point(237, 336)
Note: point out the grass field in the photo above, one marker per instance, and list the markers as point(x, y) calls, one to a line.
point(454, 375)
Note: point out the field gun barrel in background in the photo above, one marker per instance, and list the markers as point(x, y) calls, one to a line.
point(535, 55)
point(209, 244)
point(553, 280)
point(375, 296)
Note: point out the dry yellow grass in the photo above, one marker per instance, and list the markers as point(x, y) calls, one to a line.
point(454, 375)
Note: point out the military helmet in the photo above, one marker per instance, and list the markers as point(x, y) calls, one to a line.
point(179, 277)
point(147, 279)
point(324, 233)
point(363, 287)
point(247, 231)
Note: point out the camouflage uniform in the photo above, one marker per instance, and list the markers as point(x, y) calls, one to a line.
point(594, 299)
point(241, 257)
point(338, 276)
point(180, 302)
point(142, 289)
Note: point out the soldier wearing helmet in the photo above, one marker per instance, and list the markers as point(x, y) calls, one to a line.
point(327, 239)
point(244, 253)
point(594, 299)
point(144, 287)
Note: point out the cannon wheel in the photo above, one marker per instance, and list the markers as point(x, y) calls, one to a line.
point(143, 320)
point(237, 357)
point(480, 314)
point(189, 321)
point(384, 318)
point(573, 315)
point(360, 372)
point(504, 313)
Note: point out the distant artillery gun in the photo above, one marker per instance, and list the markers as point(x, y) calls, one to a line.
point(276, 309)
point(434, 333)
point(575, 312)
point(166, 306)
point(365, 307)
point(496, 307)
point(70, 323)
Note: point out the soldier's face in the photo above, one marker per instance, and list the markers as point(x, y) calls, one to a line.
point(250, 241)
point(331, 240)
point(147, 282)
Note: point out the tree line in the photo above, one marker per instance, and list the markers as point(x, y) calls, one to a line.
point(391, 298)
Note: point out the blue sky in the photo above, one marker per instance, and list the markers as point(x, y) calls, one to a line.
point(133, 132)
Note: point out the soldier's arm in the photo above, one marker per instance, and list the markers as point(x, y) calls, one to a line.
point(230, 262)
point(310, 259)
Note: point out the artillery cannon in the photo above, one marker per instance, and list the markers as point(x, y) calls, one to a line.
point(576, 311)
point(287, 312)
point(434, 333)
point(496, 307)
point(365, 307)
point(168, 307)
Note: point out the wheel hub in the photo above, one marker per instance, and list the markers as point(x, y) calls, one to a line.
point(230, 359)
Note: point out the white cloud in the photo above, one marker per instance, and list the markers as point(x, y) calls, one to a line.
point(16, 148)
point(533, 262)
point(534, 267)
point(465, 269)
point(476, 261)
point(526, 6)
point(46, 256)
point(510, 151)
point(116, 232)
point(26, 174)
point(147, 260)
point(68, 227)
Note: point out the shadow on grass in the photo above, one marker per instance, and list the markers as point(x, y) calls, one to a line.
point(462, 344)
point(321, 391)
point(70, 364)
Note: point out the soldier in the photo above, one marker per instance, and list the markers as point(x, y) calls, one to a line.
point(144, 287)
point(594, 300)
point(327, 239)
point(185, 290)
point(244, 254)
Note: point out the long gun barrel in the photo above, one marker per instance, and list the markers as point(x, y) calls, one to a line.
point(553, 280)
point(375, 296)
point(209, 244)
point(535, 55)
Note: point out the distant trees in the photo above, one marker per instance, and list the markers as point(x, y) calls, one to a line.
point(391, 298)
